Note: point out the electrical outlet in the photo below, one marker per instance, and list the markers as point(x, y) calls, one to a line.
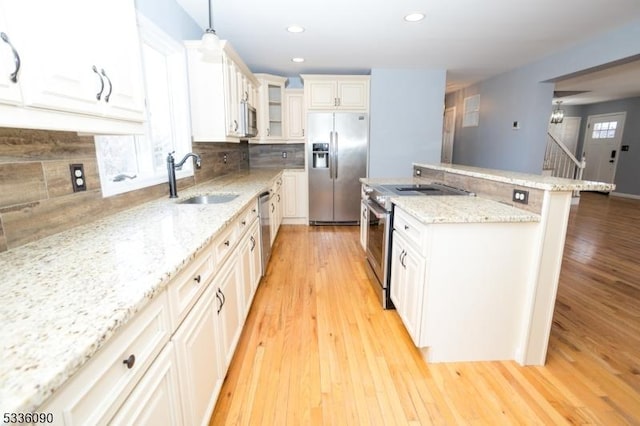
point(284, 154)
point(520, 196)
point(78, 181)
point(224, 158)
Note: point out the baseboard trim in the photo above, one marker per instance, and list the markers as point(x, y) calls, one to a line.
point(623, 195)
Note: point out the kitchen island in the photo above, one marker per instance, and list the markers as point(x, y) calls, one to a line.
point(66, 296)
point(487, 267)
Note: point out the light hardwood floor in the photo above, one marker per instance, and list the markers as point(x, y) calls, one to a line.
point(317, 348)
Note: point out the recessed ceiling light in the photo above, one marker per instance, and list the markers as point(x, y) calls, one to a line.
point(295, 29)
point(297, 60)
point(414, 17)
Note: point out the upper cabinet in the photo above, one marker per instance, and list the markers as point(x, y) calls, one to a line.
point(294, 117)
point(270, 108)
point(75, 57)
point(336, 92)
point(218, 83)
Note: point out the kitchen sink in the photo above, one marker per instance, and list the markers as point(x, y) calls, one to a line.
point(210, 199)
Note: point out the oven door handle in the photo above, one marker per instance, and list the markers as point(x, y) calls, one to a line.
point(377, 211)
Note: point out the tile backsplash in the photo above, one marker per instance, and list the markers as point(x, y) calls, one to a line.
point(36, 196)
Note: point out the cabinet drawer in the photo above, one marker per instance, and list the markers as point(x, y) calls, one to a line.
point(410, 228)
point(185, 289)
point(94, 394)
point(247, 217)
point(224, 244)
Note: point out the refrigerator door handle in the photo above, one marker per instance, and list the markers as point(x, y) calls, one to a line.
point(330, 155)
point(335, 155)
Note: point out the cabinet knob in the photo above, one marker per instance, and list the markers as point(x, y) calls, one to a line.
point(129, 362)
point(244, 222)
point(406, 227)
point(226, 243)
point(197, 278)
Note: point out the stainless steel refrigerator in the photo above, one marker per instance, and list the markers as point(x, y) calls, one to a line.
point(337, 152)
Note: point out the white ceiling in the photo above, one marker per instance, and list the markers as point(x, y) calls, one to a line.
point(472, 39)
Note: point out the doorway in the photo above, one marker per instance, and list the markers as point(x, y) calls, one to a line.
point(603, 137)
point(448, 129)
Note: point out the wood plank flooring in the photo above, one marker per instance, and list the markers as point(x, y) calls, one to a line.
point(317, 349)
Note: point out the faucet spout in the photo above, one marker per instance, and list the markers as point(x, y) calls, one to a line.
point(171, 170)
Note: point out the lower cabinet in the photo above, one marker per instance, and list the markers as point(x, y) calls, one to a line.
point(364, 224)
point(295, 197)
point(156, 399)
point(167, 365)
point(198, 359)
point(407, 284)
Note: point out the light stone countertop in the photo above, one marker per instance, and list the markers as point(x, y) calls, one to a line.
point(64, 297)
point(547, 183)
point(452, 208)
point(461, 209)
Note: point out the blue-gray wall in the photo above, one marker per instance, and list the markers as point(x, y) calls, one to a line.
point(171, 17)
point(406, 119)
point(523, 95)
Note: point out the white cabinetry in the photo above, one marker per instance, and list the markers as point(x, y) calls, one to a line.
point(407, 283)
point(251, 264)
point(276, 207)
point(364, 224)
point(217, 84)
point(83, 59)
point(295, 205)
point(336, 92)
point(97, 391)
point(294, 117)
point(199, 361)
point(156, 399)
point(270, 108)
point(457, 286)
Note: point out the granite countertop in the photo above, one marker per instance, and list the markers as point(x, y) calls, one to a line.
point(461, 209)
point(453, 208)
point(65, 296)
point(547, 183)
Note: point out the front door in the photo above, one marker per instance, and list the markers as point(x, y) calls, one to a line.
point(602, 146)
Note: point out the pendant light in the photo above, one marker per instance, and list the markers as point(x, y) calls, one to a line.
point(210, 41)
point(558, 115)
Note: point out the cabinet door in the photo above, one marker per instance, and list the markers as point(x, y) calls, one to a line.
point(229, 290)
point(256, 256)
point(198, 359)
point(119, 56)
point(407, 285)
point(156, 399)
point(246, 279)
point(321, 94)
point(290, 194)
point(57, 63)
point(232, 101)
point(364, 224)
point(294, 115)
point(353, 94)
point(9, 90)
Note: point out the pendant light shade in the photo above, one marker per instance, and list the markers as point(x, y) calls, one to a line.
point(210, 40)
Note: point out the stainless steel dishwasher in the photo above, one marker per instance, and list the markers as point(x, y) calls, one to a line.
point(265, 228)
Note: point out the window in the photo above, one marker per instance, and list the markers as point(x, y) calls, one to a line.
point(127, 163)
point(471, 114)
point(604, 130)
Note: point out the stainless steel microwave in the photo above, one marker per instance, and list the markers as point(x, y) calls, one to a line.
point(248, 120)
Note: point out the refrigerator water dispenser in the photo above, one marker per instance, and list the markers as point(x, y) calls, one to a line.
point(320, 155)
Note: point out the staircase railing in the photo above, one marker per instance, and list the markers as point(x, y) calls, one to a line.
point(561, 162)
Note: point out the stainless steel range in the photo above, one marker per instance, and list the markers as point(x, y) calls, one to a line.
point(380, 225)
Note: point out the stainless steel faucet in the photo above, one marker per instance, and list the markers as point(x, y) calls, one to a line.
point(171, 169)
